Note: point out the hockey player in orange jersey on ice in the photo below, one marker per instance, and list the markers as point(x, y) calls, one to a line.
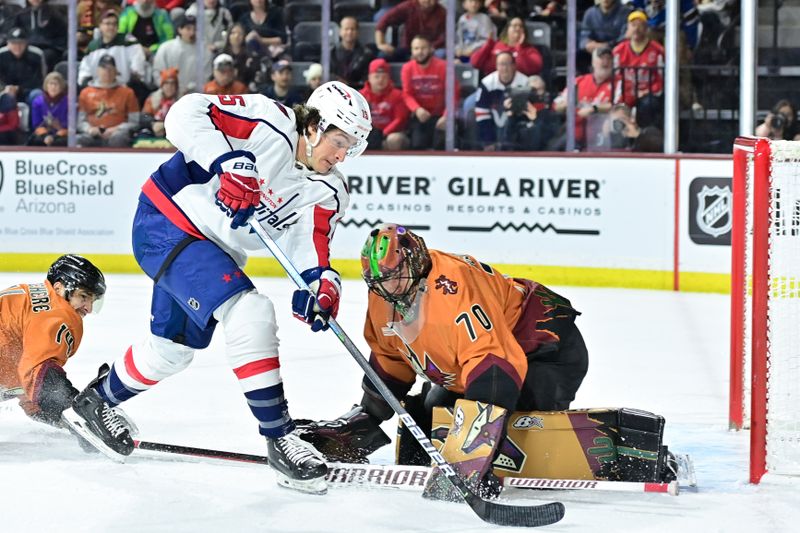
point(486, 343)
point(41, 327)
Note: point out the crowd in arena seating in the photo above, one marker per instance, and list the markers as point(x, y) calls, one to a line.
point(138, 56)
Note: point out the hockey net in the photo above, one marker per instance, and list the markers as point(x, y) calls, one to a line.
point(765, 303)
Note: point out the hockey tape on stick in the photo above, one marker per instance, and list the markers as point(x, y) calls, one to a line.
point(494, 513)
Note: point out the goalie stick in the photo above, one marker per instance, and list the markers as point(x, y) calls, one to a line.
point(494, 513)
point(412, 478)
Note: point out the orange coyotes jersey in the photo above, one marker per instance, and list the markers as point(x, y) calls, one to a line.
point(467, 313)
point(35, 325)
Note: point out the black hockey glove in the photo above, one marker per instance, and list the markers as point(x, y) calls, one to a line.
point(350, 438)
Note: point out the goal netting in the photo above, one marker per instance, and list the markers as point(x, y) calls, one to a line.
point(765, 303)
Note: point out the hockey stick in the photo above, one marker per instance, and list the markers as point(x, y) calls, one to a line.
point(413, 478)
point(494, 513)
point(10, 394)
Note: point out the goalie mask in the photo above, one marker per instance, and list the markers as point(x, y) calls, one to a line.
point(76, 272)
point(393, 262)
point(344, 108)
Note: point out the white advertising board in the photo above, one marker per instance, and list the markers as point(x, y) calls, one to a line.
point(614, 213)
point(71, 201)
point(586, 212)
point(705, 215)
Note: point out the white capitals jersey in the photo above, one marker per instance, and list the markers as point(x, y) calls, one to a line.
point(299, 208)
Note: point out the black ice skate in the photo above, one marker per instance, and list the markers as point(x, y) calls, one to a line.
point(92, 419)
point(298, 465)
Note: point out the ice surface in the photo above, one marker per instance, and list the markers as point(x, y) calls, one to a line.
point(660, 351)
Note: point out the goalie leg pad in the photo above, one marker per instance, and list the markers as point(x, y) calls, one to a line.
point(470, 447)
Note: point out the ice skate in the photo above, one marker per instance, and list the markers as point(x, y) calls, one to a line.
point(92, 419)
point(298, 465)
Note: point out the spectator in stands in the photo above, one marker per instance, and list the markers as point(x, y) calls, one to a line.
point(126, 51)
point(388, 110)
point(532, 123)
point(46, 30)
point(224, 81)
point(594, 92)
point(423, 93)
point(21, 69)
point(149, 24)
point(245, 60)
point(474, 28)
point(419, 17)
point(265, 28)
point(620, 132)
point(180, 53)
point(90, 13)
point(218, 23)
point(604, 25)
point(514, 39)
point(638, 76)
point(9, 116)
point(780, 123)
point(108, 112)
point(657, 18)
point(350, 58)
point(158, 103)
point(313, 77)
point(281, 89)
point(49, 113)
point(8, 18)
point(491, 113)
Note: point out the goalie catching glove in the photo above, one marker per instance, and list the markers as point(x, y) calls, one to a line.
point(239, 193)
point(349, 439)
point(322, 303)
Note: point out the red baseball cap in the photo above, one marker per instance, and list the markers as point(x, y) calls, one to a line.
point(377, 65)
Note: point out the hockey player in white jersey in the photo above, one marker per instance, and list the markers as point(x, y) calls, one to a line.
point(239, 156)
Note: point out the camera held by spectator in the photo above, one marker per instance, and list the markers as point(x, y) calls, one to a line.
point(780, 123)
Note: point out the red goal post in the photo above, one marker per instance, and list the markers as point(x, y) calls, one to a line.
point(765, 303)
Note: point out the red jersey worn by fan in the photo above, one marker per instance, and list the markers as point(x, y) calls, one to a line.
point(640, 73)
point(38, 330)
point(423, 86)
point(388, 108)
point(526, 57)
point(589, 93)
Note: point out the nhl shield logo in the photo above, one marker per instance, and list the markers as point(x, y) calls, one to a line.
point(713, 214)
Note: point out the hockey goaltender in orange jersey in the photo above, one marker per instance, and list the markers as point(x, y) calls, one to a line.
point(41, 327)
point(499, 344)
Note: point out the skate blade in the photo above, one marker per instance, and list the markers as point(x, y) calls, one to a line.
point(76, 425)
point(316, 486)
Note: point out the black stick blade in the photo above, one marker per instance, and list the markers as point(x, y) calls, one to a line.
point(517, 515)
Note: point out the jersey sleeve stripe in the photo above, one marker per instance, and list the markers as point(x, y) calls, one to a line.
point(164, 204)
point(322, 229)
point(239, 127)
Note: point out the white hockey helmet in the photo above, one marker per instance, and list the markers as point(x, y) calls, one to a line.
point(345, 108)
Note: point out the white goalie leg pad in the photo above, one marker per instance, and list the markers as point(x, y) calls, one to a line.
point(148, 362)
point(251, 339)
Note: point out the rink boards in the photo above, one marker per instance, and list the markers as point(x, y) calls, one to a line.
point(626, 221)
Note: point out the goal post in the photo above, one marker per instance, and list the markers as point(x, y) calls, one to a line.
point(765, 303)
